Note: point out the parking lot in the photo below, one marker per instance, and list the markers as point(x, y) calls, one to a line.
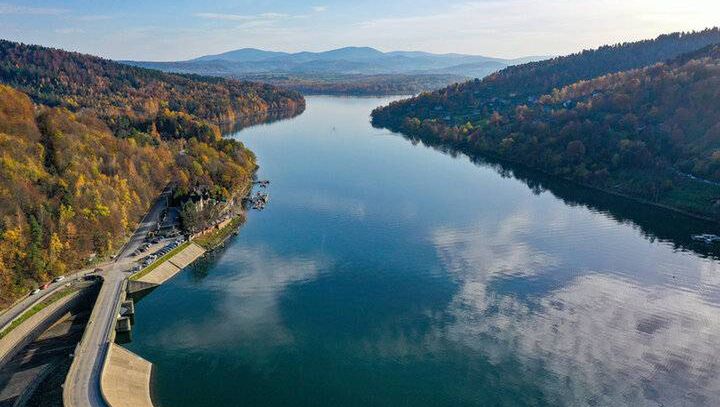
point(149, 253)
point(164, 237)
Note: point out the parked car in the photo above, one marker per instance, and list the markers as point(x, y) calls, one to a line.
point(58, 278)
point(44, 286)
point(35, 291)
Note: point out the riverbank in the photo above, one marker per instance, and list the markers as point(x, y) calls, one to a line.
point(123, 366)
point(688, 197)
point(126, 378)
point(140, 274)
point(217, 236)
point(182, 256)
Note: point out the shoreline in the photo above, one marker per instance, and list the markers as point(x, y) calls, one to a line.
point(493, 157)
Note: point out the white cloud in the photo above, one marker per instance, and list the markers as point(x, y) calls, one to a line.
point(226, 17)
point(526, 27)
point(6, 8)
point(70, 30)
point(241, 17)
point(273, 15)
point(98, 17)
point(508, 28)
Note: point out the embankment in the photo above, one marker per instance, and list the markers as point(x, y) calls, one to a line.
point(125, 380)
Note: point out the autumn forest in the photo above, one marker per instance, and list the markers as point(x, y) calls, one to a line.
point(636, 119)
point(87, 144)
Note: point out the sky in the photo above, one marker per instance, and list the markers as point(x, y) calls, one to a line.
point(165, 30)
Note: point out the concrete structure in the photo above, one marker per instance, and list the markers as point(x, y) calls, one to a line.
point(123, 324)
point(30, 329)
point(125, 379)
point(160, 274)
point(173, 265)
point(135, 286)
point(128, 307)
point(82, 385)
point(188, 255)
point(87, 383)
point(23, 374)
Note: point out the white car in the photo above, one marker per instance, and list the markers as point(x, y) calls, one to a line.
point(59, 278)
point(35, 291)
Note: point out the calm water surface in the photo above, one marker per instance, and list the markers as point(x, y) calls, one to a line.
point(385, 273)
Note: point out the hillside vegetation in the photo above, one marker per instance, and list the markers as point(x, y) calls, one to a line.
point(651, 133)
point(69, 188)
point(134, 99)
point(358, 85)
point(87, 144)
point(478, 99)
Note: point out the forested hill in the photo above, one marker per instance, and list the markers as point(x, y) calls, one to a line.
point(87, 144)
point(520, 83)
point(134, 97)
point(651, 133)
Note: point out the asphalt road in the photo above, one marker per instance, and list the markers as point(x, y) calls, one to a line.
point(11, 314)
point(82, 385)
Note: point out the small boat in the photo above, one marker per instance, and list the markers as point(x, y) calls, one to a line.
point(706, 237)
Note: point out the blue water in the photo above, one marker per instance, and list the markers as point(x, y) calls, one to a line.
point(385, 273)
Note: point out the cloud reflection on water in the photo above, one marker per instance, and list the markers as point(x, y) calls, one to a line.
point(246, 314)
point(327, 202)
point(601, 339)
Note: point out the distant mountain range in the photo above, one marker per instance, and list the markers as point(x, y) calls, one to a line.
point(341, 61)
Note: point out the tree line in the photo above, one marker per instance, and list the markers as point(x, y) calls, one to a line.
point(86, 145)
point(651, 133)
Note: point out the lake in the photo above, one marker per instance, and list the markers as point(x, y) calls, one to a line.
point(387, 273)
